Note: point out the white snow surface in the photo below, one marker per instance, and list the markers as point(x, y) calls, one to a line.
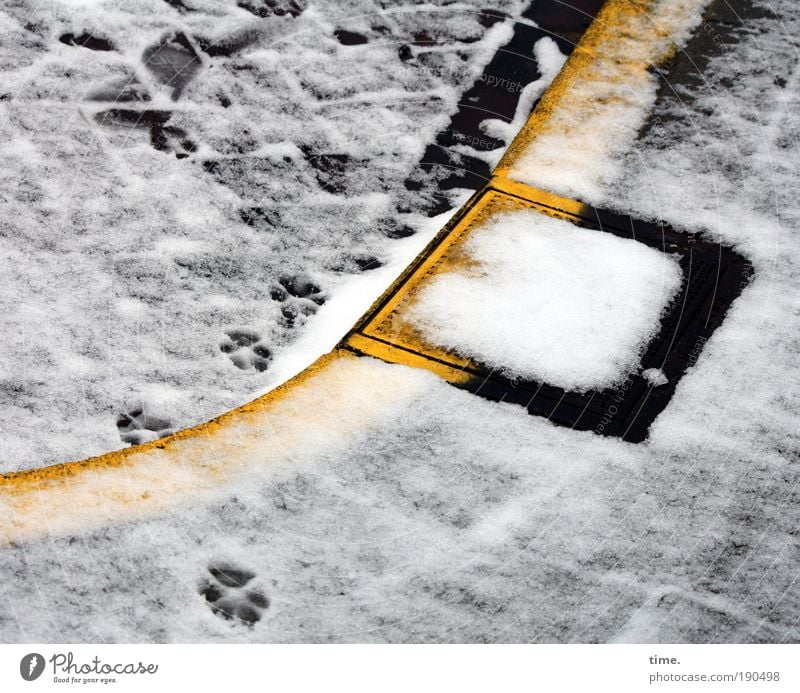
point(451, 518)
point(125, 266)
point(541, 299)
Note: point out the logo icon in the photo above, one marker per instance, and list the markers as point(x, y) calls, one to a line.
point(31, 666)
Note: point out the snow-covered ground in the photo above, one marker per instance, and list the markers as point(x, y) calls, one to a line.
point(185, 184)
point(394, 507)
point(541, 299)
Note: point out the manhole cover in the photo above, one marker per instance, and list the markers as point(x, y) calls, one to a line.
point(711, 277)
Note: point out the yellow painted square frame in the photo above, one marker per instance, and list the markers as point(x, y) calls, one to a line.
point(384, 334)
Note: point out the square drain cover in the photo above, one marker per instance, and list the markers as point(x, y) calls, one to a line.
point(710, 277)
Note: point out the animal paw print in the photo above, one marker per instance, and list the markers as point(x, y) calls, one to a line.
point(172, 140)
point(245, 349)
point(269, 8)
point(137, 426)
point(230, 595)
point(163, 137)
point(86, 40)
point(355, 263)
point(173, 62)
point(300, 297)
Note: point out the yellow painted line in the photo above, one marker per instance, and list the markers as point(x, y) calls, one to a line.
point(594, 107)
point(547, 202)
point(387, 334)
point(13, 481)
point(610, 66)
point(143, 479)
point(448, 367)
point(322, 411)
point(336, 398)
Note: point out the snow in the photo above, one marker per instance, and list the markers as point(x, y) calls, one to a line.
point(549, 60)
point(361, 532)
point(579, 151)
point(737, 134)
point(126, 263)
point(541, 299)
point(417, 512)
point(655, 376)
point(384, 505)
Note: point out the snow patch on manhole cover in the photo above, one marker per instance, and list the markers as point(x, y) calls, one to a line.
point(541, 299)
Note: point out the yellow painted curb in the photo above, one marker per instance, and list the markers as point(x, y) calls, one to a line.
point(322, 412)
point(590, 111)
point(40, 477)
point(145, 479)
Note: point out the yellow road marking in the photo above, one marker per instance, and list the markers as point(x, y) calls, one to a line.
point(595, 106)
point(387, 335)
point(321, 411)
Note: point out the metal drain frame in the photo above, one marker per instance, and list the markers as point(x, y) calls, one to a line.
point(714, 275)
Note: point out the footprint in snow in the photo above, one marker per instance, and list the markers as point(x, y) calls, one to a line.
point(136, 426)
point(300, 297)
point(230, 593)
point(245, 349)
point(273, 8)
